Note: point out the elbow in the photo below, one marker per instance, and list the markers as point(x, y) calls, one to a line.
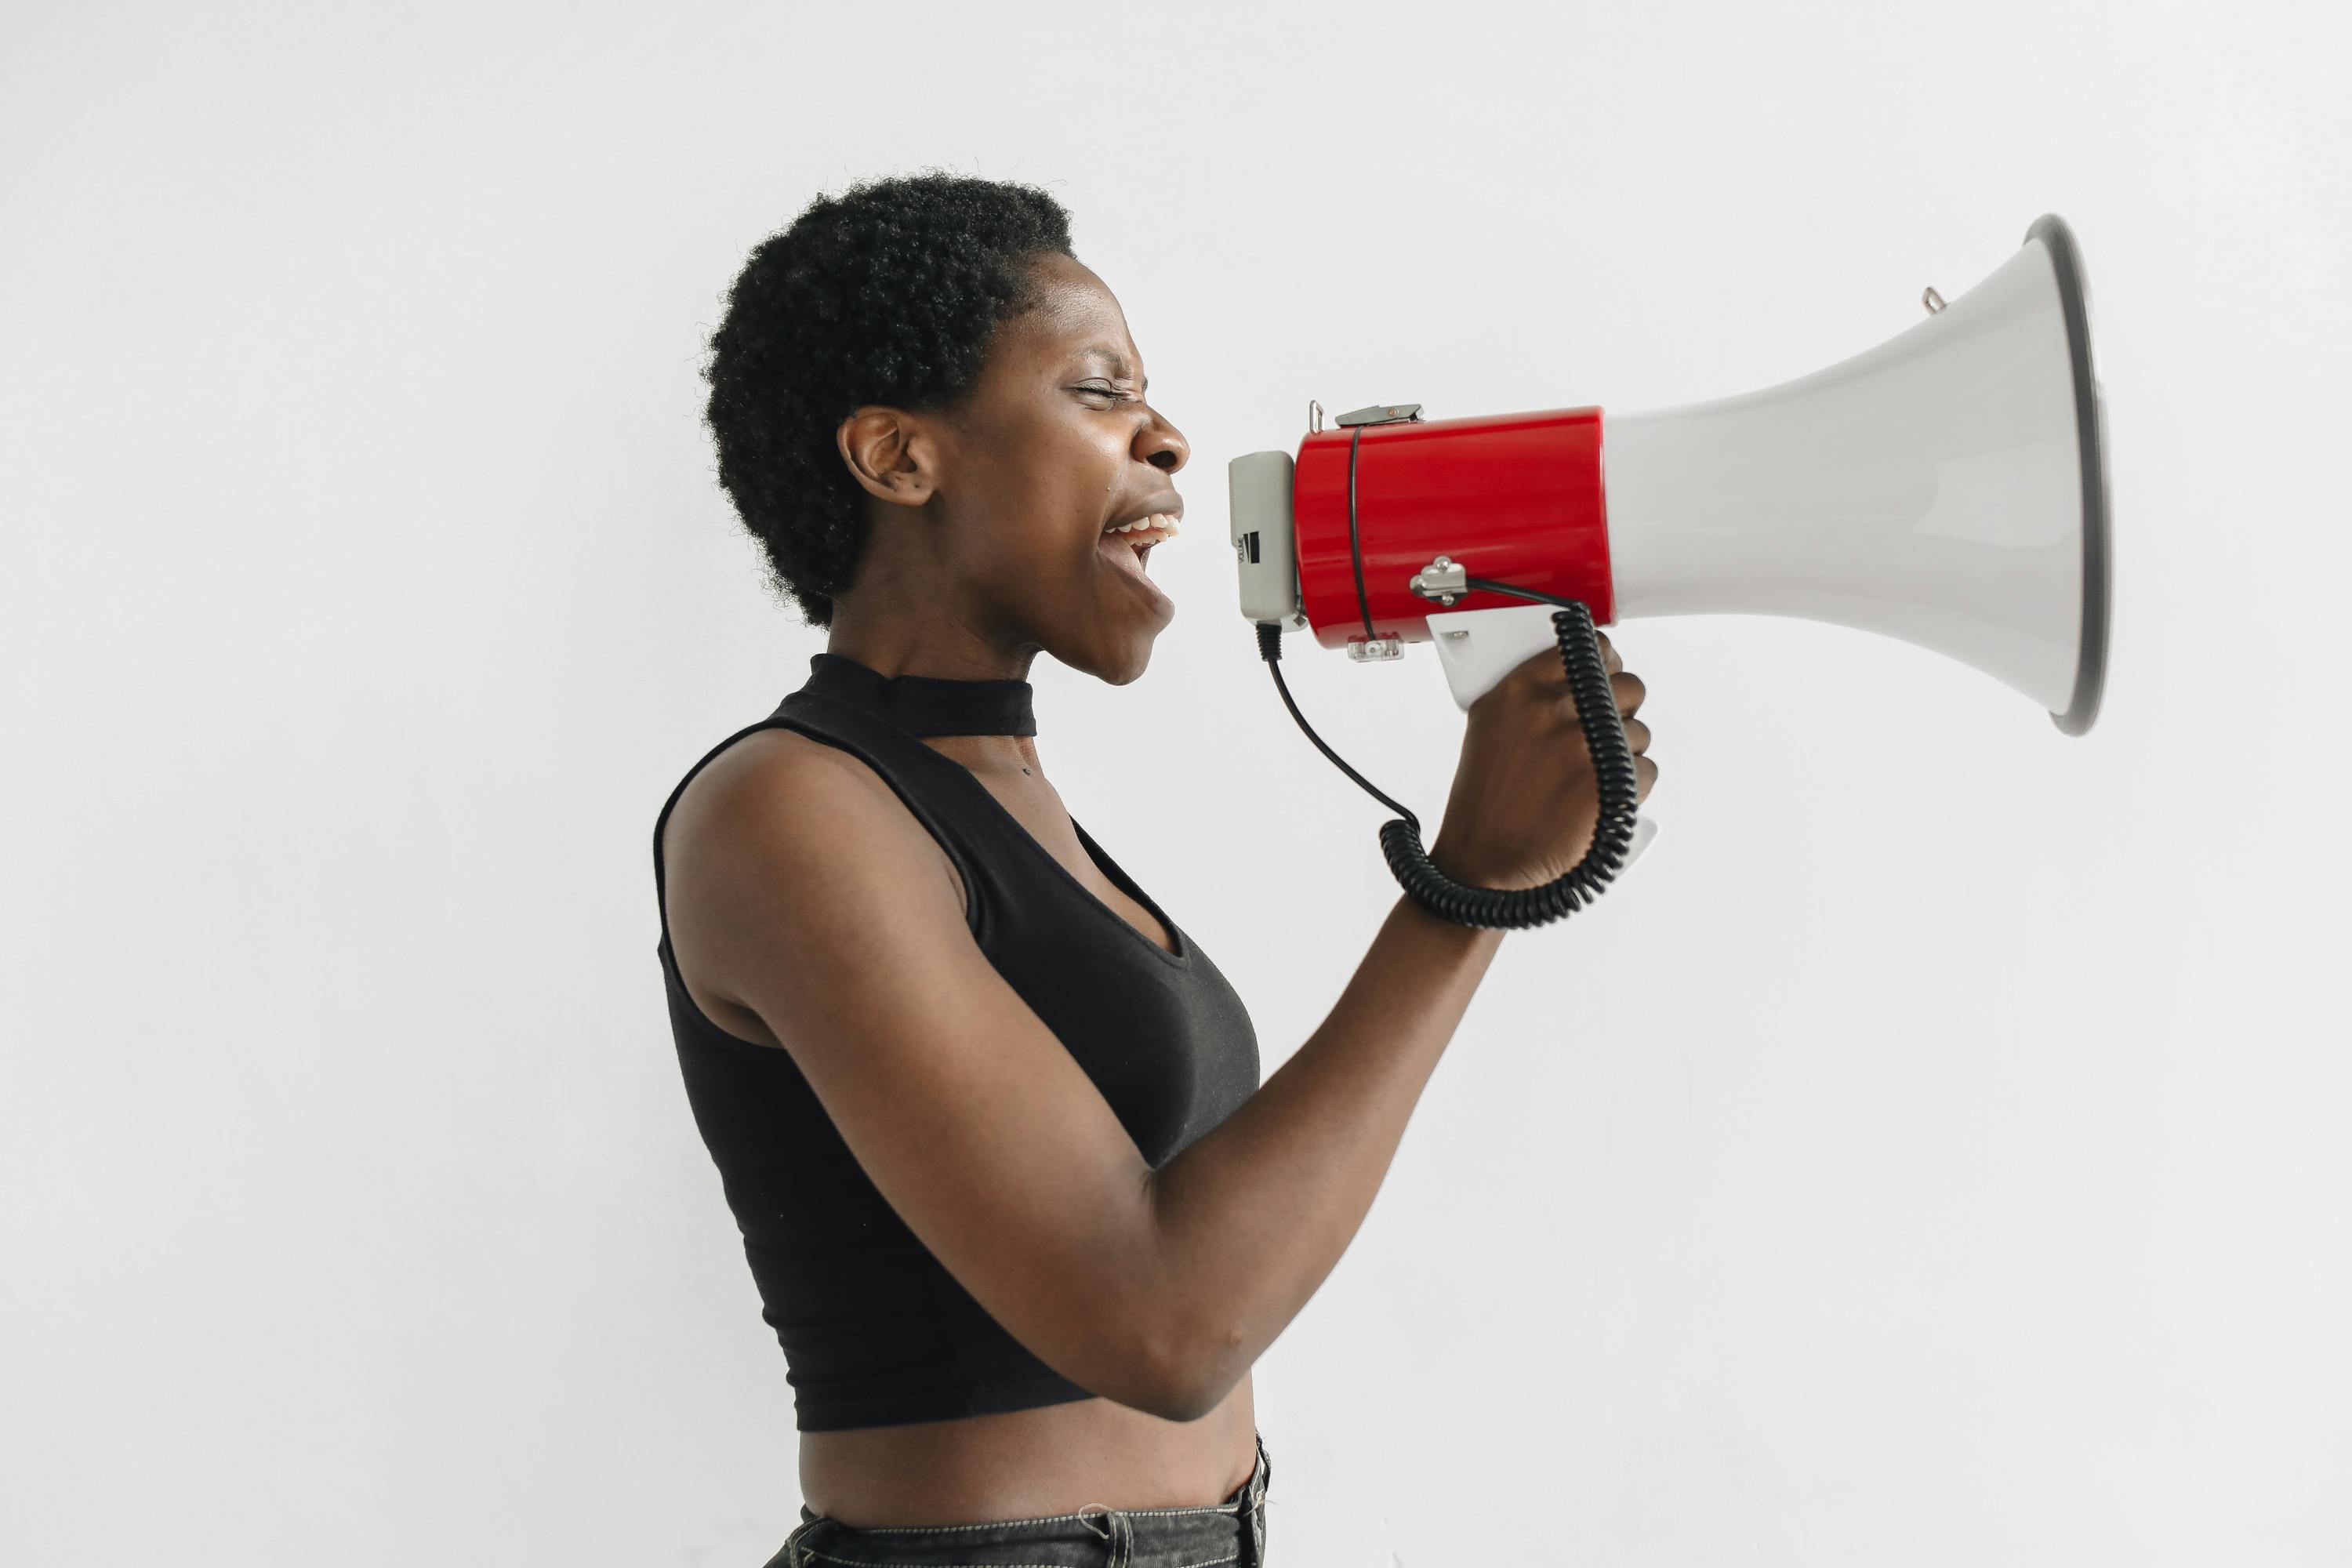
point(1193, 1403)
point(1168, 1393)
point(1188, 1355)
point(1190, 1384)
point(1154, 1375)
point(1172, 1400)
point(1156, 1383)
point(1132, 1365)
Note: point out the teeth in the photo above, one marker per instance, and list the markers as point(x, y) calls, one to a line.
point(1159, 521)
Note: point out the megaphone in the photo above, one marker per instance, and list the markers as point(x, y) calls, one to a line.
point(1947, 488)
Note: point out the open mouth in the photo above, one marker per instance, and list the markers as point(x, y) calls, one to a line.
point(1133, 540)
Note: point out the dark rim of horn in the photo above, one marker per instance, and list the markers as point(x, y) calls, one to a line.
point(2091, 443)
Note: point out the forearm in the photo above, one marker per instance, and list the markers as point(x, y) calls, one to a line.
point(1254, 1216)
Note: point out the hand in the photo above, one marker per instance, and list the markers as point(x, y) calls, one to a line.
point(1524, 803)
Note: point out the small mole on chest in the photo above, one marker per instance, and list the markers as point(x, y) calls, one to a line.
point(1024, 770)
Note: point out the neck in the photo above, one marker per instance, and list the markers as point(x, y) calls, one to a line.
point(937, 640)
point(943, 646)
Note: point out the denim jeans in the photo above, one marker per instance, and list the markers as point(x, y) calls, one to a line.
point(1210, 1536)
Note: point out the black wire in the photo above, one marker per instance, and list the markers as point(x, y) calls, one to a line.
point(1355, 544)
point(1480, 584)
point(1269, 648)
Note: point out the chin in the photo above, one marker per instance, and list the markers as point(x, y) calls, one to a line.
point(1121, 663)
point(1128, 676)
point(1127, 670)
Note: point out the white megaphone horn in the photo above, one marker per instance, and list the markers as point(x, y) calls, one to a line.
point(1947, 488)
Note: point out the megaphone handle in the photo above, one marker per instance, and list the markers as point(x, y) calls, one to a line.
point(1612, 766)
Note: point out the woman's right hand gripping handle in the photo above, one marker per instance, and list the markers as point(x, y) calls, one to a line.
point(1524, 803)
point(1254, 1216)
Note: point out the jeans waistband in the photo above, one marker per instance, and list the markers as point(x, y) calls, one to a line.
point(1095, 1536)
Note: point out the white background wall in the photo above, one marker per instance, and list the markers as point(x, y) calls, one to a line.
point(1936, 1153)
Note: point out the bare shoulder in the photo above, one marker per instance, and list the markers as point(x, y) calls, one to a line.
point(768, 824)
point(773, 764)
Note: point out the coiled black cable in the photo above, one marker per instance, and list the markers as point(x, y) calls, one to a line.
point(1515, 909)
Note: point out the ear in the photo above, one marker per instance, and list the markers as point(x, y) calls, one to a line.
point(891, 453)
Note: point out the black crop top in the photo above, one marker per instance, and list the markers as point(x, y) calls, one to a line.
point(876, 1331)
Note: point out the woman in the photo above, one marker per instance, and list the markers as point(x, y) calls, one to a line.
point(1018, 1208)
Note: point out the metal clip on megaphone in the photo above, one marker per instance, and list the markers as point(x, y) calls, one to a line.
point(1947, 488)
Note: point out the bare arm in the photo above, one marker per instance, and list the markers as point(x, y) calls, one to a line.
point(1255, 1214)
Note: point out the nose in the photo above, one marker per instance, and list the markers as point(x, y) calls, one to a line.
point(1161, 445)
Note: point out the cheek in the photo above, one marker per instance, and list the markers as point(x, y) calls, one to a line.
point(1044, 485)
point(1089, 448)
point(1072, 489)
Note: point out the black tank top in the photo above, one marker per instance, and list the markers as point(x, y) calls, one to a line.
point(876, 1331)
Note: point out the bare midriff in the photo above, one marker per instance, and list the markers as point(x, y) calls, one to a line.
point(1030, 1464)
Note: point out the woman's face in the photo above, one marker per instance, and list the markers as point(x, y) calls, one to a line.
point(1056, 445)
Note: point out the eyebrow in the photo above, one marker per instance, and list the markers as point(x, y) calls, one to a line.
point(1119, 360)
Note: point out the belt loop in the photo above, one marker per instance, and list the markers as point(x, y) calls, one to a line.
point(791, 1556)
point(1252, 1512)
point(1117, 1528)
point(1256, 1513)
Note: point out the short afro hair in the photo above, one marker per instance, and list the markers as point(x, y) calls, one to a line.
point(887, 293)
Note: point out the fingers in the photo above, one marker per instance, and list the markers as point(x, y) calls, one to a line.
point(1629, 691)
point(1646, 772)
point(1541, 670)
